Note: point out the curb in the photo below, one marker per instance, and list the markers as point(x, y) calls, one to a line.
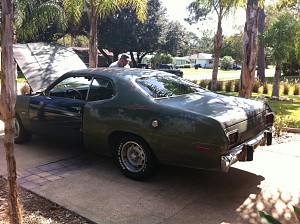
point(291, 130)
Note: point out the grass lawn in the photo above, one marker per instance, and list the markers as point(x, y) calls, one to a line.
point(287, 108)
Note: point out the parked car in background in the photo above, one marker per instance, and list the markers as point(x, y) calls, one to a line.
point(143, 66)
point(170, 69)
point(236, 67)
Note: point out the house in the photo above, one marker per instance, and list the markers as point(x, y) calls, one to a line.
point(83, 53)
point(202, 59)
point(181, 62)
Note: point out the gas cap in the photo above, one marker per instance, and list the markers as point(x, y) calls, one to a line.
point(155, 123)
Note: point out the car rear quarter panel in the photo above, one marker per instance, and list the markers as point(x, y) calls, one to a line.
point(181, 138)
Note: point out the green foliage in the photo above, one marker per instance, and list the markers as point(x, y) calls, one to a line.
point(265, 88)
point(227, 62)
point(219, 86)
point(291, 67)
point(161, 59)
point(236, 86)
point(204, 83)
point(271, 220)
point(122, 31)
point(286, 88)
point(256, 86)
point(228, 85)
point(280, 36)
point(80, 41)
point(297, 89)
point(232, 47)
point(39, 20)
point(268, 218)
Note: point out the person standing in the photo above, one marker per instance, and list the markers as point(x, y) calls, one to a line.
point(123, 62)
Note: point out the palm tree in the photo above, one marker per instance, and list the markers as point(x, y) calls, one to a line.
point(7, 108)
point(98, 9)
point(29, 19)
point(33, 16)
point(250, 49)
point(201, 8)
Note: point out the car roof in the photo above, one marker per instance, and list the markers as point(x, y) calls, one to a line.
point(118, 73)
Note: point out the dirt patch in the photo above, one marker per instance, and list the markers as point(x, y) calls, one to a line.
point(36, 209)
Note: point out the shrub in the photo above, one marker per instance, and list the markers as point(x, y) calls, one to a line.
point(227, 62)
point(270, 219)
point(25, 89)
point(209, 85)
point(265, 88)
point(204, 83)
point(236, 86)
point(195, 81)
point(286, 88)
point(219, 85)
point(296, 89)
point(256, 86)
point(228, 85)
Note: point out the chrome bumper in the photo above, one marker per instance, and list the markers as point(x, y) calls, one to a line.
point(244, 152)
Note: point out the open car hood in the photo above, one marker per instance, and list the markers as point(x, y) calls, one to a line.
point(42, 63)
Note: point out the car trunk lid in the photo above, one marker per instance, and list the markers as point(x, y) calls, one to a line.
point(228, 110)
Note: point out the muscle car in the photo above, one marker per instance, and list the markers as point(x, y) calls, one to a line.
point(144, 117)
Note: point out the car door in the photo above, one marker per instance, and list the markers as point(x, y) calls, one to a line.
point(59, 113)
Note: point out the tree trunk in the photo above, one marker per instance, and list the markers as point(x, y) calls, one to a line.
point(250, 49)
point(217, 47)
point(275, 91)
point(261, 63)
point(93, 54)
point(7, 102)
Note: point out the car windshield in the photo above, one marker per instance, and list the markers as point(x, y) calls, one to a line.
point(166, 86)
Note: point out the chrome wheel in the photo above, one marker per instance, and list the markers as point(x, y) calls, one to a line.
point(133, 156)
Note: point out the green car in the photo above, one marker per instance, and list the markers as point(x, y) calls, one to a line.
point(144, 117)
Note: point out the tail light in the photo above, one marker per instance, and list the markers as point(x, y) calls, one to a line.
point(233, 137)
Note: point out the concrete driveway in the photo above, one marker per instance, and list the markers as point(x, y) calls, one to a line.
point(92, 186)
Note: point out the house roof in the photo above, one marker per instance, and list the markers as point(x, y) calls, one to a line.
point(203, 56)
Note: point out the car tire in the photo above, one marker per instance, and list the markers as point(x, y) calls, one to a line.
point(21, 134)
point(135, 158)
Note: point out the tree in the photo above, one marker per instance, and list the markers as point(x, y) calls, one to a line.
point(123, 31)
point(7, 102)
point(39, 20)
point(280, 37)
point(199, 9)
point(99, 9)
point(206, 43)
point(232, 47)
point(172, 37)
point(261, 62)
point(250, 49)
point(190, 44)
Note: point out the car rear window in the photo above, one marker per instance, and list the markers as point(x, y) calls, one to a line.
point(166, 86)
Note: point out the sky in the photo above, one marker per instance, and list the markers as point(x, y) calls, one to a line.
point(176, 10)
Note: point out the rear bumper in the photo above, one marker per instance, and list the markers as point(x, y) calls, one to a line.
point(244, 152)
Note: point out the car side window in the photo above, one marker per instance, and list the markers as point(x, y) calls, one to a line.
point(75, 87)
point(100, 89)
